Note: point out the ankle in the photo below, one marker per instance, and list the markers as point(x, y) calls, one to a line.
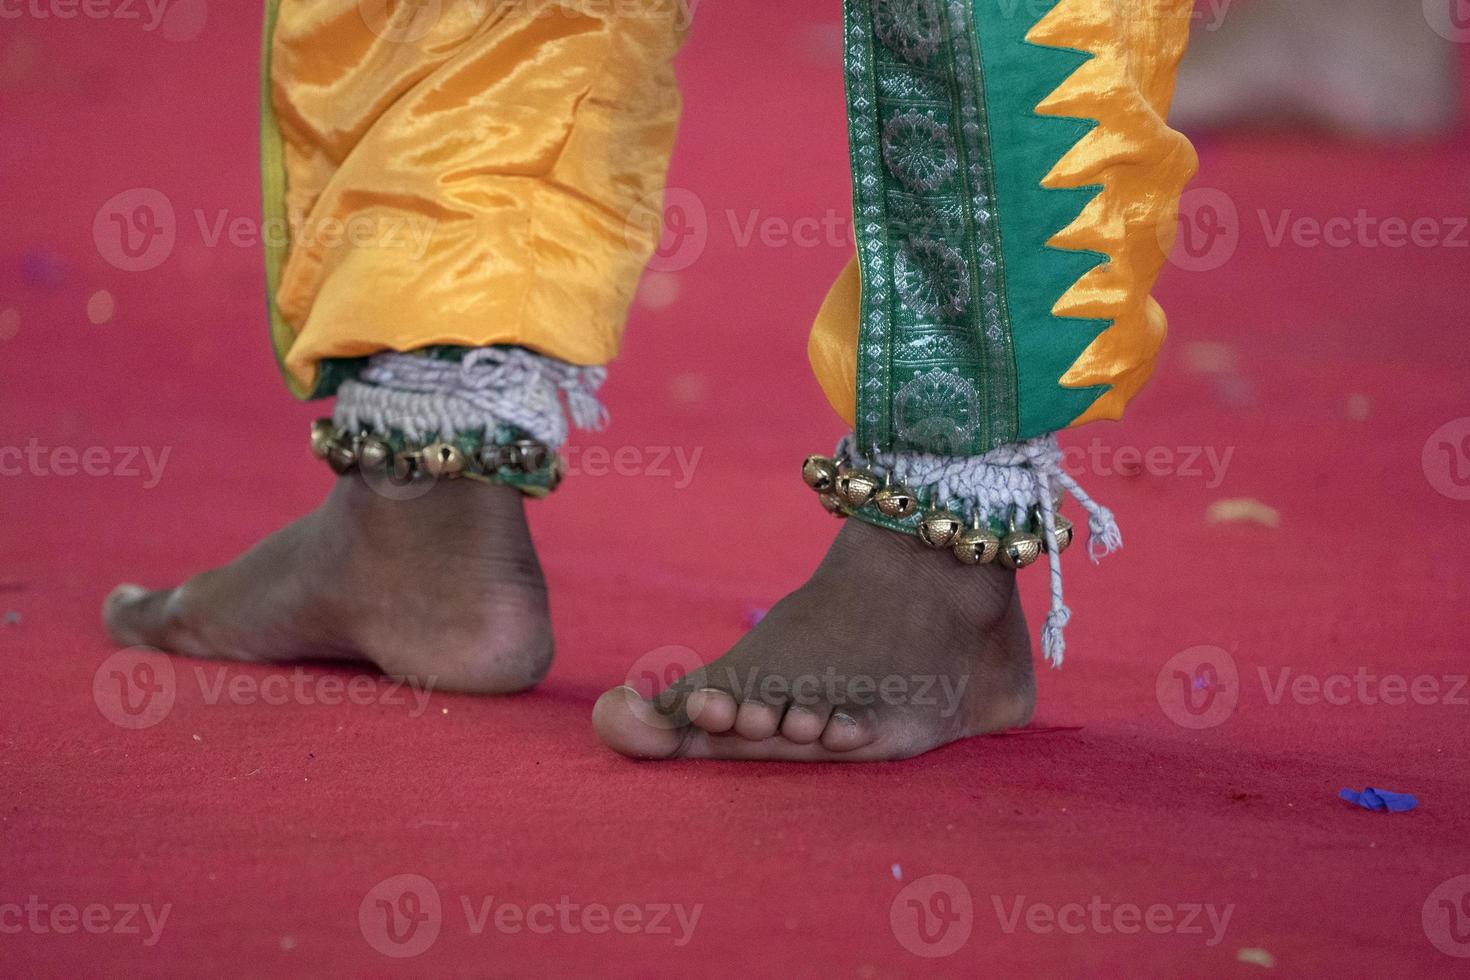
point(902, 564)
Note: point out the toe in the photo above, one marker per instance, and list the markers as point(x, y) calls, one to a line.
point(134, 616)
point(844, 733)
point(712, 710)
point(633, 727)
point(757, 721)
point(803, 724)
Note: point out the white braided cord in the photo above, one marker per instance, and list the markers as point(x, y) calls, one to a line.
point(429, 398)
point(1004, 485)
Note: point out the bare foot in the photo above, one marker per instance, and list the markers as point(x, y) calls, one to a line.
point(444, 587)
point(890, 650)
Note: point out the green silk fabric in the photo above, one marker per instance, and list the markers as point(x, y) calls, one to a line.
point(958, 350)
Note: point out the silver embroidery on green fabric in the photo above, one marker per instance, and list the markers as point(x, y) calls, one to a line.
point(936, 369)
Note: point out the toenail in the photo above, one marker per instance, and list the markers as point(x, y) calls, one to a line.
point(706, 696)
point(842, 717)
point(127, 593)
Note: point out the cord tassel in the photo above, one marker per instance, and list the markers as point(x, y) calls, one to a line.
point(1021, 478)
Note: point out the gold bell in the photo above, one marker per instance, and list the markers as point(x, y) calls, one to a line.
point(374, 455)
point(1019, 548)
point(820, 473)
point(1064, 533)
point(832, 504)
point(341, 458)
point(939, 528)
point(977, 545)
point(857, 487)
point(896, 503)
point(443, 459)
point(323, 433)
point(495, 458)
point(532, 456)
point(406, 465)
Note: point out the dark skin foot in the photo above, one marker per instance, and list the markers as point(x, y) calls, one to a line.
point(444, 587)
point(889, 651)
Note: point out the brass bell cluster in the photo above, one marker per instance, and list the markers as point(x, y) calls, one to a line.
point(345, 452)
point(845, 490)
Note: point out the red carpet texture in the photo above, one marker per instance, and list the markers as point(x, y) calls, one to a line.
point(1289, 617)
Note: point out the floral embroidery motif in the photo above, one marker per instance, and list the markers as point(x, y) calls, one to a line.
point(938, 408)
point(933, 279)
point(910, 28)
point(919, 151)
point(936, 369)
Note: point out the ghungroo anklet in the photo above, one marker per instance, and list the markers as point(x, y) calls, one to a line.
point(526, 464)
point(495, 414)
point(1001, 507)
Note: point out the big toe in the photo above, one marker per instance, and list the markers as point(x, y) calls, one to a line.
point(134, 616)
point(633, 727)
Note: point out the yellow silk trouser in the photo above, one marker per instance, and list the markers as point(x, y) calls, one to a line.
point(478, 173)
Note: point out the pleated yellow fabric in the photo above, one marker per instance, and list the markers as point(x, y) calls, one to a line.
point(468, 173)
point(1142, 166)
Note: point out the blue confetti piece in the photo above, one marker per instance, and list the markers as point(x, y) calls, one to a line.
point(44, 269)
point(1381, 800)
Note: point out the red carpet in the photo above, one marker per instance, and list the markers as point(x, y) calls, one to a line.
point(1098, 846)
